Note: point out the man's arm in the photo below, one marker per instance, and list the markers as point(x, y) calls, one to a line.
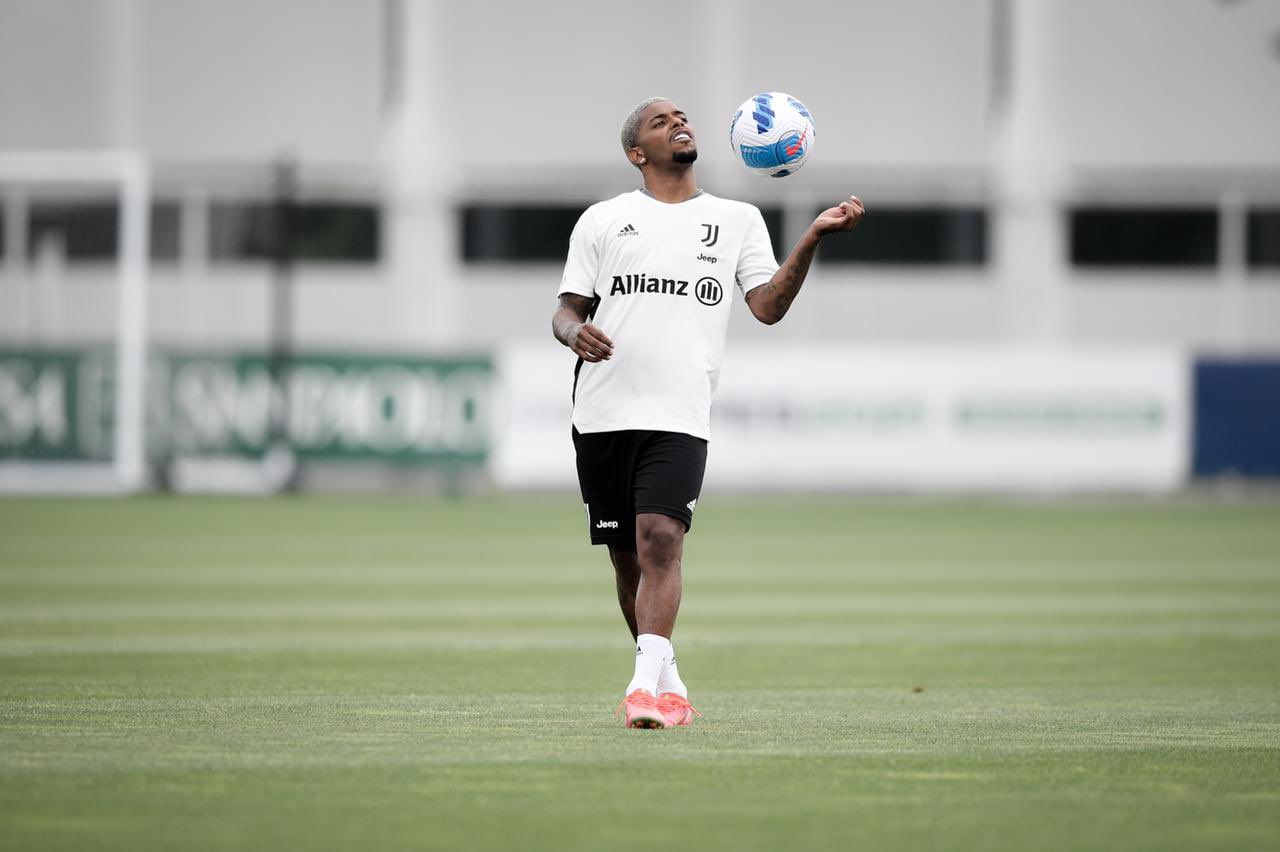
point(569, 325)
point(770, 302)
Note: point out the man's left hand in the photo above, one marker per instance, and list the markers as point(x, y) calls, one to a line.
point(843, 217)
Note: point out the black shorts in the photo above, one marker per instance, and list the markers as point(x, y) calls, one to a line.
point(636, 471)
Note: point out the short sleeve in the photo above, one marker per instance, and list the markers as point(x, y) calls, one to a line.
point(756, 263)
point(582, 265)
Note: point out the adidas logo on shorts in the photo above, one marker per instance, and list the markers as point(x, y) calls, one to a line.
point(692, 503)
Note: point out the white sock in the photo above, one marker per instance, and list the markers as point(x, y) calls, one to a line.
point(669, 680)
point(651, 650)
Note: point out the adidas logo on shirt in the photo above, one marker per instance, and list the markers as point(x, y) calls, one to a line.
point(629, 231)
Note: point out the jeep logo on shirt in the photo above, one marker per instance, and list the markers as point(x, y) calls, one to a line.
point(708, 291)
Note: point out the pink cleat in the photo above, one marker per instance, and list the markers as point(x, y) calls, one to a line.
point(641, 710)
point(676, 709)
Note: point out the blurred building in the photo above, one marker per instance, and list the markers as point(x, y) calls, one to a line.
point(1060, 171)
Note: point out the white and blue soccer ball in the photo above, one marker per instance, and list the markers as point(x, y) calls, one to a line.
point(773, 134)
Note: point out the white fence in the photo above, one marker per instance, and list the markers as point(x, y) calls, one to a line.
point(898, 418)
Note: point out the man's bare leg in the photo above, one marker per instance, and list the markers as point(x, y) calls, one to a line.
point(626, 569)
point(659, 547)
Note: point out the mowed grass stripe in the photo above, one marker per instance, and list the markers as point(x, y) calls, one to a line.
point(371, 730)
point(381, 604)
point(325, 674)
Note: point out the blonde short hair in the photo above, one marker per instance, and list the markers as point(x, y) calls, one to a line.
point(631, 127)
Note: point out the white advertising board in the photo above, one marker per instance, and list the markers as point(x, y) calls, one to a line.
point(533, 447)
point(919, 418)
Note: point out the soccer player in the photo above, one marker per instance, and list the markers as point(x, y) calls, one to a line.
point(651, 269)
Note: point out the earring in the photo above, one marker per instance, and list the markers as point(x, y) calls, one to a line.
point(642, 159)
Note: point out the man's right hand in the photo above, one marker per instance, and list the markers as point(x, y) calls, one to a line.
point(590, 343)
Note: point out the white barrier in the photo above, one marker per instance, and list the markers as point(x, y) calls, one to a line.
point(533, 447)
point(912, 418)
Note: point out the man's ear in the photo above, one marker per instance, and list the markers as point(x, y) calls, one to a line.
point(636, 156)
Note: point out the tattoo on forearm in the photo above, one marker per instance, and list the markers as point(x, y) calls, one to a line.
point(580, 305)
point(779, 293)
point(573, 309)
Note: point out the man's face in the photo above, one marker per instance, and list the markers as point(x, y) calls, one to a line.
point(665, 135)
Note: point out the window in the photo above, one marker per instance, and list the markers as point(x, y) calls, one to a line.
point(1264, 237)
point(773, 221)
point(931, 236)
point(89, 231)
point(534, 233)
point(323, 231)
point(492, 232)
point(337, 232)
point(165, 216)
point(1144, 237)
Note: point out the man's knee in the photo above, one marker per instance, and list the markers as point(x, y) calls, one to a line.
point(659, 539)
point(626, 563)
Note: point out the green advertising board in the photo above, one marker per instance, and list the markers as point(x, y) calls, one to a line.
point(58, 405)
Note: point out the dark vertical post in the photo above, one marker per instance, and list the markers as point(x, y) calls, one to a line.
point(284, 251)
point(1001, 67)
point(393, 16)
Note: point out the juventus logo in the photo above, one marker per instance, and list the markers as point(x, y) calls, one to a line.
point(711, 236)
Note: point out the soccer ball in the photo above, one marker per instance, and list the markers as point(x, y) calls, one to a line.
point(772, 133)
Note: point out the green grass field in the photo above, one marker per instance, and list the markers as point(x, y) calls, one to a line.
point(402, 674)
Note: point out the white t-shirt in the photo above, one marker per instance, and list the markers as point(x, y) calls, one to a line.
point(662, 273)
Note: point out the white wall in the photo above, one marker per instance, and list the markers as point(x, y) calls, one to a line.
point(1155, 83)
point(193, 80)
